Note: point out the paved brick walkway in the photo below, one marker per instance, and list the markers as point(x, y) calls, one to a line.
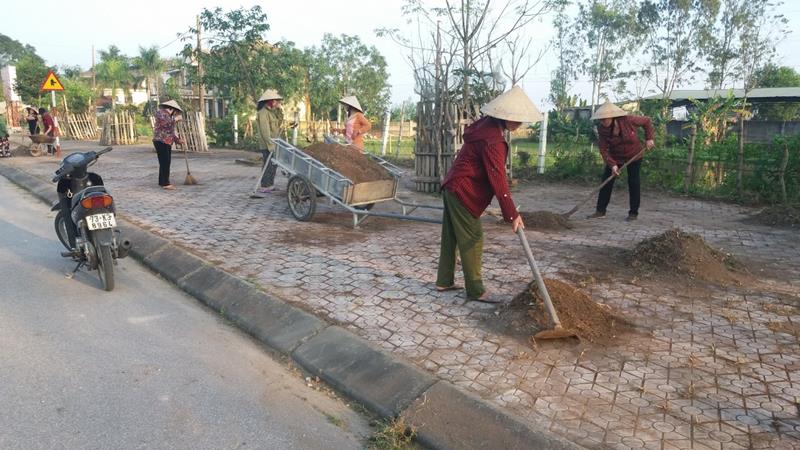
point(709, 366)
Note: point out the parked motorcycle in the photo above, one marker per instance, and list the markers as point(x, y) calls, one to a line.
point(86, 221)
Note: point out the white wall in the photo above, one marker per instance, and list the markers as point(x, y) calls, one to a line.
point(9, 76)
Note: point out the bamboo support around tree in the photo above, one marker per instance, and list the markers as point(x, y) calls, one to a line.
point(192, 131)
point(118, 129)
point(79, 127)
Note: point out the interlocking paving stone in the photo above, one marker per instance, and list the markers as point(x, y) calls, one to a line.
point(710, 368)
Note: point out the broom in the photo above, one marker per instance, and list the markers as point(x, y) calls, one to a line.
point(189, 180)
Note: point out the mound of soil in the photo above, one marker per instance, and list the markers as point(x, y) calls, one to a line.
point(545, 220)
point(778, 216)
point(589, 320)
point(348, 161)
point(675, 251)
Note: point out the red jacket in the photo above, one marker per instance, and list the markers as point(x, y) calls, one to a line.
point(479, 171)
point(619, 142)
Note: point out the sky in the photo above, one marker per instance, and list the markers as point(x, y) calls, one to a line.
point(64, 32)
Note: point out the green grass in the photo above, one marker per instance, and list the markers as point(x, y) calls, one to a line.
point(391, 435)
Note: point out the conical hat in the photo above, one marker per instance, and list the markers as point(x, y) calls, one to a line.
point(270, 94)
point(514, 106)
point(608, 111)
point(351, 100)
point(172, 104)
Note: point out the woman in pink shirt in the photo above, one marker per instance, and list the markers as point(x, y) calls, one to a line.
point(357, 125)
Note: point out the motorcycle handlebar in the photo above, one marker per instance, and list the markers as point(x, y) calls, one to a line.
point(105, 150)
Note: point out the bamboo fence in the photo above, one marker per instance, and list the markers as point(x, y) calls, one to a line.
point(192, 131)
point(118, 129)
point(81, 127)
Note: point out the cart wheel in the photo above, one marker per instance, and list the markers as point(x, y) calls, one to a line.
point(302, 198)
point(35, 149)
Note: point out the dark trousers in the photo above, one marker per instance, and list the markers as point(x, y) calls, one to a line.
point(164, 152)
point(268, 179)
point(32, 126)
point(634, 188)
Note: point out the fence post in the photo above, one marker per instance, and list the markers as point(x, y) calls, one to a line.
point(235, 129)
point(296, 126)
point(542, 145)
point(689, 179)
point(385, 132)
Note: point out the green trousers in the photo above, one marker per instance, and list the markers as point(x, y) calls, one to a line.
point(462, 231)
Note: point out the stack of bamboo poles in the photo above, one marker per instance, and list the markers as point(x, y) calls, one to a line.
point(439, 137)
point(81, 127)
point(192, 131)
point(118, 129)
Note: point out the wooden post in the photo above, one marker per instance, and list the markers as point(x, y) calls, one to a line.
point(200, 94)
point(386, 120)
point(542, 145)
point(689, 178)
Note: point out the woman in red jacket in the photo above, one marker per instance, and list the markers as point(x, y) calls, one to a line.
point(477, 175)
point(619, 143)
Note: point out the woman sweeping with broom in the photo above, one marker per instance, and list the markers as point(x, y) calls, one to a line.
point(164, 136)
point(477, 175)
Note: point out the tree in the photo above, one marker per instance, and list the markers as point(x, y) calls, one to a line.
point(12, 51)
point(672, 32)
point(240, 62)
point(772, 75)
point(31, 72)
point(113, 72)
point(565, 72)
point(151, 65)
point(609, 27)
point(343, 65)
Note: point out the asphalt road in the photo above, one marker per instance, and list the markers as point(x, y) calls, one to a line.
point(144, 366)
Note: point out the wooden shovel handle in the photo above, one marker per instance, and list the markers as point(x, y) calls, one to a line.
point(607, 180)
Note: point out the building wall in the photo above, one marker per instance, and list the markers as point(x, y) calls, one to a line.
point(755, 132)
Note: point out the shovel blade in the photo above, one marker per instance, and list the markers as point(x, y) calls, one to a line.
point(556, 333)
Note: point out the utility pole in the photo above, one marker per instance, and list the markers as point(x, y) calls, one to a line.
point(200, 93)
point(94, 85)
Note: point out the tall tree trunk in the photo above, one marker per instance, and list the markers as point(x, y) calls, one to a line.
point(689, 179)
point(739, 183)
point(784, 164)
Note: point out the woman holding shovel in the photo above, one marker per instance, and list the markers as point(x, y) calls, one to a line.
point(269, 116)
point(477, 175)
point(164, 136)
point(619, 145)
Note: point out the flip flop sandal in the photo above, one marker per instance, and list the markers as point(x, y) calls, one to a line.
point(487, 298)
point(453, 287)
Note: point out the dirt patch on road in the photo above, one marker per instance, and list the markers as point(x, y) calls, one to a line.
point(348, 161)
point(526, 315)
point(675, 251)
point(777, 216)
point(545, 221)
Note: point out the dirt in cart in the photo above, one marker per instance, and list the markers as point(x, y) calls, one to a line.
point(348, 161)
point(778, 216)
point(675, 251)
point(545, 221)
point(526, 315)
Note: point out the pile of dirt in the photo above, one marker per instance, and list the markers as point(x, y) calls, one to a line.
point(348, 161)
point(545, 220)
point(675, 251)
point(577, 312)
point(778, 216)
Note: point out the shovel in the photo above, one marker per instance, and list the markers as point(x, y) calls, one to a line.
point(254, 193)
point(608, 180)
point(558, 331)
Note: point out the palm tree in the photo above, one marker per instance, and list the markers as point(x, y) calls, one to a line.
point(151, 65)
point(114, 73)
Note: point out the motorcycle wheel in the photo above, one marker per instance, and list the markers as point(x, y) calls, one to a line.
point(105, 266)
point(60, 223)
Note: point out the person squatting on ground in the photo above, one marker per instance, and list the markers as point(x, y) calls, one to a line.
point(164, 136)
point(478, 174)
point(357, 125)
point(270, 126)
point(619, 143)
point(49, 128)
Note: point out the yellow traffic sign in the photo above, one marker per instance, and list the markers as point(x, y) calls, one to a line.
point(51, 83)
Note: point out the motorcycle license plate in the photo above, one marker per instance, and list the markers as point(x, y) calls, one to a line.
point(101, 221)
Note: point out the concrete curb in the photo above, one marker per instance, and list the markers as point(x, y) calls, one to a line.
point(443, 415)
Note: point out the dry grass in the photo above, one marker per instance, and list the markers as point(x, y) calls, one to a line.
point(391, 435)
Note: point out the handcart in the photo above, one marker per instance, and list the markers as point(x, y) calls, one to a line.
point(310, 179)
point(37, 141)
